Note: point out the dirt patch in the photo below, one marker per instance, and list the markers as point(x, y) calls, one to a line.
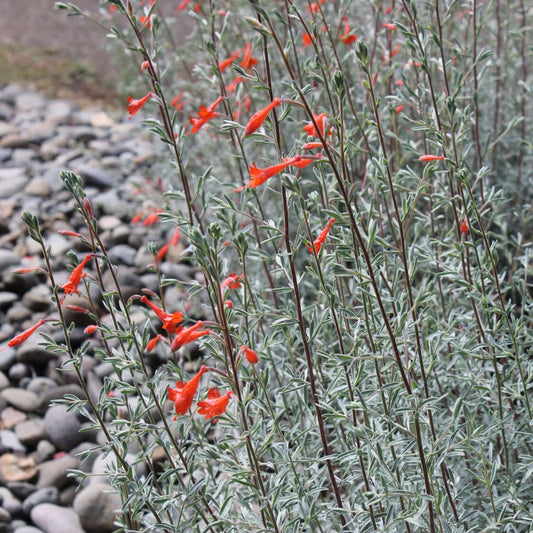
point(65, 57)
point(56, 75)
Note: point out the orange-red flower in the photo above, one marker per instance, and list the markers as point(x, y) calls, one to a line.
point(250, 354)
point(348, 37)
point(152, 343)
point(390, 26)
point(170, 321)
point(172, 242)
point(464, 226)
point(319, 241)
point(399, 108)
point(135, 105)
point(90, 329)
point(153, 218)
point(259, 117)
point(312, 145)
point(233, 85)
point(223, 65)
point(260, 175)
point(71, 286)
point(147, 21)
point(306, 160)
point(248, 62)
point(176, 104)
point(183, 394)
point(21, 337)
point(205, 114)
point(428, 157)
point(215, 405)
point(322, 123)
point(187, 335)
point(233, 281)
point(307, 39)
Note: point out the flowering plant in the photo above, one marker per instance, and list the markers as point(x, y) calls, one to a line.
point(386, 378)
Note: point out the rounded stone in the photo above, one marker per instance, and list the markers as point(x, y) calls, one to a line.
point(62, 427)
point(46, 495)
point(97, 506)
point(53, 518)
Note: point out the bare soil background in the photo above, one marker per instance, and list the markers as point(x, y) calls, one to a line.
point(63, 56)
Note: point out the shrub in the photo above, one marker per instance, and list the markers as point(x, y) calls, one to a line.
point(355, 189)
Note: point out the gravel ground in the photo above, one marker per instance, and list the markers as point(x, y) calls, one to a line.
point(39, 138)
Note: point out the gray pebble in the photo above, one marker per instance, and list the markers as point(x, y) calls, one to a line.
point(46, 495)
point(54, 472)
point(97, 506)
point(21, 489)
point(21, 399)
point(10, 442)
point(18, 371)
point(5, 516)
point(38, 298)
point(27, 529)
point(62, 427)
point(7, 359)
point(32, 353)
point(44, 451)
point(8, 258)
point(30, 432)
point(7, 299)
point(55, 519)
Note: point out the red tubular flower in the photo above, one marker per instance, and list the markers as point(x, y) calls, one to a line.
point(319, 241)
point(78, 309)
point(69, 233)
point(390, 26)
point(312, 145)
point(135, 105)
point(153, 218)
point(152, 343)
point(223, 65)
point(147, 21)
point(205, 114)
point(250, 354)
point(306, 160)
point(145, 65)
point(187, 335)
point(399, 108)
point(259, 117)
point(248, 62)
point(183, 394)
point(428, 157)
point(260, 175)
point(233, 281)
point(71, 286)
point(395, 51)
point(172, 242)
point(89, 330)
point(233, 85)
point(176, 104)
point(347, 37)
point(307, 39)
point(215, 405)
point(21, 337)
point(464, 227)
point(170, 321)
point(322, 123)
